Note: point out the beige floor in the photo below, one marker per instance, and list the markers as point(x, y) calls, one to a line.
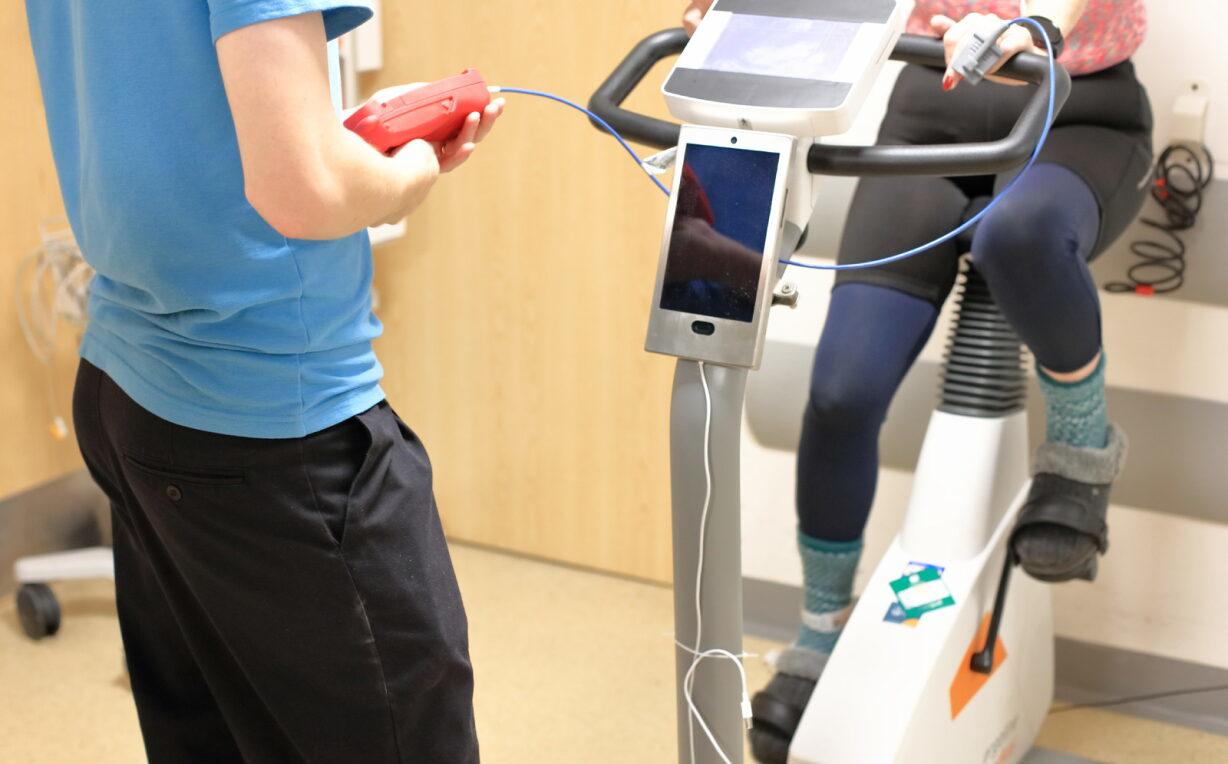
point(572, 667)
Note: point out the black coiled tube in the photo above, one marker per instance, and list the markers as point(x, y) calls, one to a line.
point(984, 373)
point(1182, 176)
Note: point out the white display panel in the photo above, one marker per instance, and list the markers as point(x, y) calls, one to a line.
point(751, 66)
point(780, 47)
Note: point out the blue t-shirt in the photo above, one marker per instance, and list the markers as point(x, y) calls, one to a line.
point(200, 311)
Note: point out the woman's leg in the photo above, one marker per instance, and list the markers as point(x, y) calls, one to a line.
point(877, 323)
point(871, 338)
point(1033, 250)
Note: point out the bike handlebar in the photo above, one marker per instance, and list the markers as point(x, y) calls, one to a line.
point(986, 158)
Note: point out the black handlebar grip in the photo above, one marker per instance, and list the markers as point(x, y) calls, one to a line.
point(959, 158)
point(607, 101)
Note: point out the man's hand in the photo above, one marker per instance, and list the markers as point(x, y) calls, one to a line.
point(417, 156)
point(442, 157)
point(450, 154)
point(453, 153)
point(695, 13)
point(956, 35)
point(303, 171)
point(417, 159)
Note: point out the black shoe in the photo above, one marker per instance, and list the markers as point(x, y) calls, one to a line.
point(1062, 529)
point(778, 707)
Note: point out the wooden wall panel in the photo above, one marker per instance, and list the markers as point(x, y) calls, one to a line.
point(515, 309)
point(29, 193)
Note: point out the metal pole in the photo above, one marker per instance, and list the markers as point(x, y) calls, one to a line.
point(717, 688)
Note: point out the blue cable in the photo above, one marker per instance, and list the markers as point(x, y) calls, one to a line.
point(605, 125)
point(1040, 145)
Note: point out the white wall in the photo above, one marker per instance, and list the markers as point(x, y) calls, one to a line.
point(1186, 43)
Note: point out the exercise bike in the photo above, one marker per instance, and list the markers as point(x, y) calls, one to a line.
point(937, 665)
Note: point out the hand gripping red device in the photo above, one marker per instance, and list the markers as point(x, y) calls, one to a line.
point(434, 112)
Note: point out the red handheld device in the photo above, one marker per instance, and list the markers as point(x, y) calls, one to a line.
point(434, 112)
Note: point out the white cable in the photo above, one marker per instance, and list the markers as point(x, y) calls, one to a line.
point(686, 649)
point(698, 654)
point(52, 284)
point(689, 681)
point(25, 319)
point(695, 714)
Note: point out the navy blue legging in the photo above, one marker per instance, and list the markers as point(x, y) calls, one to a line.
point(1032, 249)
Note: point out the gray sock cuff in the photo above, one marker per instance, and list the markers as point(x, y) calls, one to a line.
point(1093, 466)
point(802, 662)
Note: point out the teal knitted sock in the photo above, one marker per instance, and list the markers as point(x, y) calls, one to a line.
point(1076, 410)
point(828, 568)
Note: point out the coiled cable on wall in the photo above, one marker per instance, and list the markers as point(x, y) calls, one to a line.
point(1182, 174)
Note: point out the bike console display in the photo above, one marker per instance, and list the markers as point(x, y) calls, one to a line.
point(801, 67)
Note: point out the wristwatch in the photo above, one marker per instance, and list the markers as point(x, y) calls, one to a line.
point(1051, 31)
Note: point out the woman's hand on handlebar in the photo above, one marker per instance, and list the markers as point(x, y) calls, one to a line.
point(957, 34)
point(694, 14)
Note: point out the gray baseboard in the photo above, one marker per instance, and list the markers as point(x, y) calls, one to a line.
point(56, 516)
point(1096, 674)
point(1086, 673)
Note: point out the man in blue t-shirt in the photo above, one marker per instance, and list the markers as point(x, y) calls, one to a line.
point(283, 585)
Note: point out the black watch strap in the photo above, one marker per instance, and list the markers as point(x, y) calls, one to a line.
point(1051, 31)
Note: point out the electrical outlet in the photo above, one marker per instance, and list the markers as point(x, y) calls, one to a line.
point(1189, 123)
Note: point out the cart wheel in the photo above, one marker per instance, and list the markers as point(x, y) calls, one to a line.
point(38, 610)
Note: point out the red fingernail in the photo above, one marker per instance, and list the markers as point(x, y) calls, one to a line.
point(948, 83)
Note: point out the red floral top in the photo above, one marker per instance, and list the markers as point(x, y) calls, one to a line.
point(1109, 32)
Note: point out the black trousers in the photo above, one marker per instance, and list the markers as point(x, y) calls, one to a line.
point(281, 600)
